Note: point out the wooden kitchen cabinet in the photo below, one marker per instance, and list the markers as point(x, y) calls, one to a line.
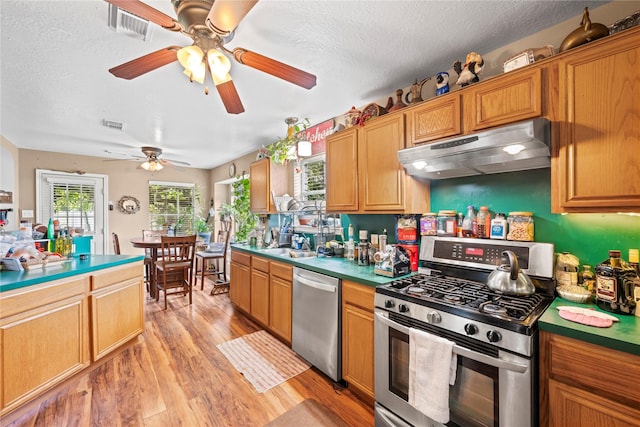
point(260, 289)
point(597, 150)
point(44, 338)
point(364, 174)
point(266, 177)
point(587, 385)
point(341, 173)
point(357, 338)
point(280, 294)
point(240, 280)
point(510, 98)
point(436, 119)
point(117, 308)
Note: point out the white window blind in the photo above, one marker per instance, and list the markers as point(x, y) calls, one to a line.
point(70, 201)
point(311, 178)
point(171, 203)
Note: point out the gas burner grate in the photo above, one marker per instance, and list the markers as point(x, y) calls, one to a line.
point(457, 292)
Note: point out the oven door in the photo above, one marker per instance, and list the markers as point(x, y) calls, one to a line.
point(490, 390)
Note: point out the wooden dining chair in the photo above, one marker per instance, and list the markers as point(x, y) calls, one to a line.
point(208, 264)
point(174, 267)
point(148, 258)
point(116, 243)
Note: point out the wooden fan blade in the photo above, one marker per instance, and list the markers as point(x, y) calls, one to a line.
point(275, 68)
point(230, 97)
point(147, 12)
point(173, 162)
point(225, 15)
point(144, 64)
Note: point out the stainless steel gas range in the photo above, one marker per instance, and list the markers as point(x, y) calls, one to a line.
point(495, 335)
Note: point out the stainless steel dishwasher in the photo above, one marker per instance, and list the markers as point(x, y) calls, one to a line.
point(316, 321)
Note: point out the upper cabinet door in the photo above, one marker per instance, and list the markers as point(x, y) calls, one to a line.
point(438, 118)
point(598, 166)
point(265, 178)
point(382, 178)
point(510, 98)
point(342, 171)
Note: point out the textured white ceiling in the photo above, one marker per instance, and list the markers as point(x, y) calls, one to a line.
point(55, 88)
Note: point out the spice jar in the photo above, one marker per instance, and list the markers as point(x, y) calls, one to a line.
point(520, 226)
point(428, 224)
point(446, 223)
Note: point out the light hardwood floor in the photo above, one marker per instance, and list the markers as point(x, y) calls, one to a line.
point(174, 375)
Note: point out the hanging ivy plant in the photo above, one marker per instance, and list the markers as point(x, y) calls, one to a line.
point(244, 219)
point(286, 148)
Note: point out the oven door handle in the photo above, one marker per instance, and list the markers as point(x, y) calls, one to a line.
point(464, 352)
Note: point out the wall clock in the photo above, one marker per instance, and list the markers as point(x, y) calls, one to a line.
point(232, 170)
point(129, 205)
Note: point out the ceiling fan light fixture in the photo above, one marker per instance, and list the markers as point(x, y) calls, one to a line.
point(151, 165)
point(191, 58)
point(219, 65)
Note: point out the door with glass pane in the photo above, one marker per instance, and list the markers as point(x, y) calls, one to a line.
point(76, 201)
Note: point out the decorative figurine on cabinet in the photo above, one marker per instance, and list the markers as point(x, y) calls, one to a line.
point(442, 83)
point(472, 67)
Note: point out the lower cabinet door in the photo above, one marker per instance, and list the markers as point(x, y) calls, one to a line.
point(117, 314)
point(48, 343)
point(574, 407)
point(280, 307)
point(260, 296)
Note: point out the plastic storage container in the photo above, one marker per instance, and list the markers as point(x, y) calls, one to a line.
point(499, 227)
point(520, 226)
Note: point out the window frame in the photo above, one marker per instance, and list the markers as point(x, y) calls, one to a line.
point(185, 214)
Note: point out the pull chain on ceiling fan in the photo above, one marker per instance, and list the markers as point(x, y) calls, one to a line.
point(211, 24)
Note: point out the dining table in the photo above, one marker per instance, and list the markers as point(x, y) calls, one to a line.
point(151, 245)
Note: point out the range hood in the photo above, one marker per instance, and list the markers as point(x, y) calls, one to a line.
point(482, 153)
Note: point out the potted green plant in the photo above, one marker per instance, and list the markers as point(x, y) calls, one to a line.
point(202, 228)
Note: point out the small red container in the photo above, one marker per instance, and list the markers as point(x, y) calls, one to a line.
point(42, 245)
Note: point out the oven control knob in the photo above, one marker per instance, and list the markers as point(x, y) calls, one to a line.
point(389, 303)
point(494, 336)
point(434, 317)
point(402, 308)
point(470, 329)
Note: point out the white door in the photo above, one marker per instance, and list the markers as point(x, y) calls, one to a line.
point(76, 201)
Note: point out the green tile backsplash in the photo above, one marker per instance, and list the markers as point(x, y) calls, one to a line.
point(588, 236)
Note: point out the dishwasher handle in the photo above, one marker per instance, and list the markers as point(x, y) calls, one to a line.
point(313, 284)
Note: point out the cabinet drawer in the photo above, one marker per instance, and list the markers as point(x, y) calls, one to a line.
point(613, 372)
point(281, 270)
point(241, 258)
point(261, 264)
point(20, 300)
point(357, 294)
point(115, 275)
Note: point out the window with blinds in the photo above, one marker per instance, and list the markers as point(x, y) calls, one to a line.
point(74, 205)
point(312, 184)
point(171, 204)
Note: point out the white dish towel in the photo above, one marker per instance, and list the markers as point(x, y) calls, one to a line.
point(432, 368)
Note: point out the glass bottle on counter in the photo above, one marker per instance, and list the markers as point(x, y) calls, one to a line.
point(484, 222)
point(350, 245)
point(469, 224)
point(615, 283)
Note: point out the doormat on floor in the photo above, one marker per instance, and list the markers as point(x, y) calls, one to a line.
point(308, 413)
point(263, 360)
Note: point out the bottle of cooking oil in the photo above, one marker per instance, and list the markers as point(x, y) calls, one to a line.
point(615, 283)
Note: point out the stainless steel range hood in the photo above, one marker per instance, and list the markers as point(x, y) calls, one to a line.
point(482, 153)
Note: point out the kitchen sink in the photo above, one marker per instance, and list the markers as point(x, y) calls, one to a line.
point(290, 253)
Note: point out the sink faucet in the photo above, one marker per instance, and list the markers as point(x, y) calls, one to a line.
point(306, 244)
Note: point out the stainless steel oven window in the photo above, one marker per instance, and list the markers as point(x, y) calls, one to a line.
point(473, 399)
point(399, 363)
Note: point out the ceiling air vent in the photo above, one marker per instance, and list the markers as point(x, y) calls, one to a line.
point(111, 124)
point(128, 23)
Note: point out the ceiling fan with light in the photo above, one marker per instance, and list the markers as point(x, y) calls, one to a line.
point(211, 24)
point(151, 160)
